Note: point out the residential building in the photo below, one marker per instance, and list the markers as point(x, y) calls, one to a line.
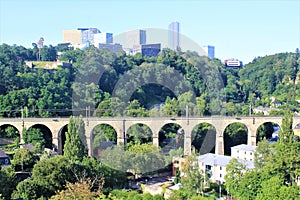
point(243, 151)
point(174, 35)
point(215, 166)
point(232, 62)
point(178, 163)
point(209, 50)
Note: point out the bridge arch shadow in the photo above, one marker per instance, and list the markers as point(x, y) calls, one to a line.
point(139, 133)
point(268, 131)
point(102, 136)
point(62, 139)
point(234, 134)
point(204, 138)
point(47, 134)
point(9, 134)
point(171, 137)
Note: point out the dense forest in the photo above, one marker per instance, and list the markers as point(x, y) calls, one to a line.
point(116, 84)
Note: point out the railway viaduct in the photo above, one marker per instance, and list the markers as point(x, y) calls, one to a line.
point(121, 125)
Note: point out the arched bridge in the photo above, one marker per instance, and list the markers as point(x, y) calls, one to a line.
point(121, 125)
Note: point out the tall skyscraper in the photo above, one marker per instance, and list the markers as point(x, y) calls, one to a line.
point(174, 35)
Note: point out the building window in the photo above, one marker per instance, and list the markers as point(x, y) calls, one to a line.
point(220, 175)
point(207, 167)
point(220, 168)
point(237, 151)
point(245, 152)
point(251, 153)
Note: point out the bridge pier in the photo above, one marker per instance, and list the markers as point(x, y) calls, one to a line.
point(219, 150)
point(155, 141)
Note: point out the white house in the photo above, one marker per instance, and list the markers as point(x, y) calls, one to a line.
point(215, 165)
point(243, 151)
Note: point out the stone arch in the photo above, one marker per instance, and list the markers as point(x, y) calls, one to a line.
point(269, 130)
point(144, 133)
point(171, 136)
point(100, 141)
point(234, 134)
point(4, 138)
point(203, 138)
point(47, 134)
point(62, 139)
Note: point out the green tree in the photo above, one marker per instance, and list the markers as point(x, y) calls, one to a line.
point(144, 158)
point(235, 134)
point(52, 174)
point(8, 182)
point(24, 160)
point(193, 181)
point(235, 171)
point(286, 133)
point(27, 190)
point(33, 136)
point(134, 109)
point(75, 146)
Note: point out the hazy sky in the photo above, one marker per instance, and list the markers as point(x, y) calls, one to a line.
point(238, 29)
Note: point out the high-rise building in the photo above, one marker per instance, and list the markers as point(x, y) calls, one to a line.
point(174, 35)
point(135, 37)
point(80, 37)
point(103, 38)
point(209, 50)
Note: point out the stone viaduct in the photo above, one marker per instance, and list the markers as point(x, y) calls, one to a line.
point(121, 125)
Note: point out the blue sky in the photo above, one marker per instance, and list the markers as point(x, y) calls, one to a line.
point(238, 29)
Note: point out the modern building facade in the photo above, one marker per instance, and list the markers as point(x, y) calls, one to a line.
point(150, 50)
point(209, 50)
point(82, 37)
point(135, 37)
point(174, 35)
point(103, 38)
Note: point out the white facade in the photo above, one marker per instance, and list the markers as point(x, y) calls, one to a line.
point(215, 165)
point(243, 151)
point(209, 50)
point(103, 38)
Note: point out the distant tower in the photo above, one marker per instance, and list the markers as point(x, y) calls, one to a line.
point(174, 35)
point(40, 44)
point(209, 50)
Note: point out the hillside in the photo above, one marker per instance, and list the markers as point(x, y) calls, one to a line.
point(109, 83)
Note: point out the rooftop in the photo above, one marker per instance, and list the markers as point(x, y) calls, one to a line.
point(221, 160)
point(214, 159)
point(244, 147)
point(2, 154)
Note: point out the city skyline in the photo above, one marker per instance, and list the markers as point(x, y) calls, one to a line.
point(242, 30)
